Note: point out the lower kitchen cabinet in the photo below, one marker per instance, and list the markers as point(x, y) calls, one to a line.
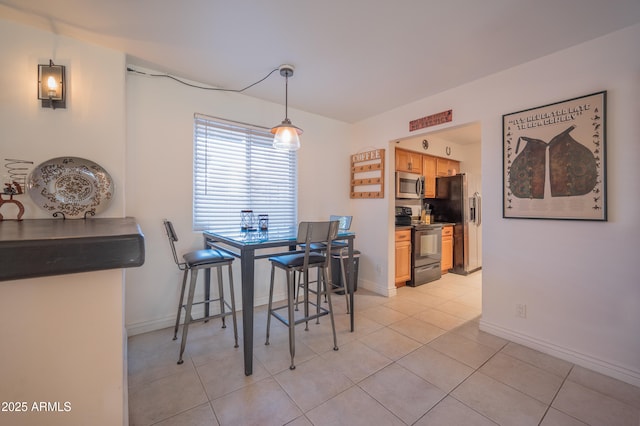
point(447, 249)
point(403, 257)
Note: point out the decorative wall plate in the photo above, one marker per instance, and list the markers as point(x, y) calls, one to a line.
point(72, 186)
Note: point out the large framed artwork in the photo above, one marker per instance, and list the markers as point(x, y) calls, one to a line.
point(554, 160)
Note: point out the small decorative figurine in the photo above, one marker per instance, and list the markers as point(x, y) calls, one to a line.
point(12, 189)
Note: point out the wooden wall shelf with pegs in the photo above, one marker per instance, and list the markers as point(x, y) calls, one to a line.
point(367, 174)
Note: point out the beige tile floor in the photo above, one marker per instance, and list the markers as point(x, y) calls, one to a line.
point(415, 359)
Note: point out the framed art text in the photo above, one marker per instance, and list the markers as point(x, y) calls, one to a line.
point(554, 160)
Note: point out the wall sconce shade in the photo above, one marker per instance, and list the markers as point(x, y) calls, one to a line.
point(286, 134)
point(51, 85)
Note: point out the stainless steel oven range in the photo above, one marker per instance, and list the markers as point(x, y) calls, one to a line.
point(426, 253)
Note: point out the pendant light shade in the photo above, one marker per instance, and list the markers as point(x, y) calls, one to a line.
point(286, 134)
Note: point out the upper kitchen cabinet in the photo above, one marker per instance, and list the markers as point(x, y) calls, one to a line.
point(407, 161)
point(446, 167)
point(429, 172)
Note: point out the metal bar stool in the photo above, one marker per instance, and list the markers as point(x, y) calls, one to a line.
point(308, 233)
point(194, 261)
point(337, 248)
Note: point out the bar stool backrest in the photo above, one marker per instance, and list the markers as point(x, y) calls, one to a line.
point(345, 222)
point(316, 232)
point(173, 237)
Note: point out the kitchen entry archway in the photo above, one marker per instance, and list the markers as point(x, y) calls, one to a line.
point(460, 144)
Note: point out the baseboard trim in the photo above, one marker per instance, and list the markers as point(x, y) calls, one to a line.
point(608, 369)
point(376, 287)
point(151, 325)
point(170, 320)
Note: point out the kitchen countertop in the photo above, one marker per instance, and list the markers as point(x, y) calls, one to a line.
point(44, 247)
point(403, 227)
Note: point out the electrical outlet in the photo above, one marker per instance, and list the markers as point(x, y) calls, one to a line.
point(521, 310)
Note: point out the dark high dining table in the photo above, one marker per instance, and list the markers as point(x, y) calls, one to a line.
point(245, 245)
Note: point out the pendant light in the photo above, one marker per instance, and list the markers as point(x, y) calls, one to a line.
point(286, 134)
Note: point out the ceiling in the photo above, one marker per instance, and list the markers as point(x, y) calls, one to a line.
point(466, 134)
point(353, 59)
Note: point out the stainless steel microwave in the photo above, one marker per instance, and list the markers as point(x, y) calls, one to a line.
point(409, 185)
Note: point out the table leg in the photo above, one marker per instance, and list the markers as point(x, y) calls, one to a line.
point(207, 284)
point(247, 270)
point(351, 285)
point(207, 291)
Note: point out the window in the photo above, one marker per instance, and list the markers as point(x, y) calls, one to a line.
point(236, 168)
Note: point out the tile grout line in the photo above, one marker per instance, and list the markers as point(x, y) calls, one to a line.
point(449, 394)
point(564, 380)
point(204, 388)
point(446, 394)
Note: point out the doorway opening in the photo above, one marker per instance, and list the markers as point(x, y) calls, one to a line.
point(458, 147)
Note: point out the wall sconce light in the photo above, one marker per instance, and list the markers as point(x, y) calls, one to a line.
point(286, 134)
point(51, 85)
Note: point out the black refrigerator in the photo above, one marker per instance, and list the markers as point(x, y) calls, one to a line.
point(453, 204)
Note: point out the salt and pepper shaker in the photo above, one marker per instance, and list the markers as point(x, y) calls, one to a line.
point(246, 220)
point(263, 222)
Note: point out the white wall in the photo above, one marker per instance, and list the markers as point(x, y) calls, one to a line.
point(579, 280)
point(62, 342)
point(63, 337)
point(93, 124)
point(159, 182)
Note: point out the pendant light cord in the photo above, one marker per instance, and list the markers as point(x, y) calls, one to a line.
point(203, 87)
point(286, 97)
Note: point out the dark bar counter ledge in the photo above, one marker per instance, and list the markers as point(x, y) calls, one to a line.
point(44, 247)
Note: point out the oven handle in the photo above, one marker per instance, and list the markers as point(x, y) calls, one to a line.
point(427, 267)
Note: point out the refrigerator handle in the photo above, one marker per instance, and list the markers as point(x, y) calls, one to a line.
point(478, 205)
point(472, 209)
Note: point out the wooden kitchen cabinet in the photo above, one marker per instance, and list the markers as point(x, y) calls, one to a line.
point(403, 257)
point(446, 262)
point(446, 167)
point(408, 161)
point(428, 166)
point(429, 173)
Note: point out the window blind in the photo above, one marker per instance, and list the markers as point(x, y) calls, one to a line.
point(236, 168)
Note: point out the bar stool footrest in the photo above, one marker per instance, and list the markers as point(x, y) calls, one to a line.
point(285, 321)
point(213, 316)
